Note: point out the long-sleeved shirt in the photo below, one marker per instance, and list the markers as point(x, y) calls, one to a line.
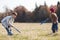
point(54, 18)
point(8, 21)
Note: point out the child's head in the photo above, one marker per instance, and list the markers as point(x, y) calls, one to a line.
point(52, 10)
point(14, 14)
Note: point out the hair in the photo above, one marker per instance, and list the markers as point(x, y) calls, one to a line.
point(14, 13)
point(52, 10)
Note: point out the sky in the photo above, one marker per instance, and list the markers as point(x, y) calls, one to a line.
point(29, 4)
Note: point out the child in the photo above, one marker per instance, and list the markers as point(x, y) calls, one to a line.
point(7, 22)
point(54, 19)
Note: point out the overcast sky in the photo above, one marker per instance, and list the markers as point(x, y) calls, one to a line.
point(29, 4)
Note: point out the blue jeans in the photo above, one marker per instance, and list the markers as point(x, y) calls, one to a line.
point(9, 30)
point(55, 27)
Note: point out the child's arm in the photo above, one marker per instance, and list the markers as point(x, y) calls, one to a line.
point(10, 21)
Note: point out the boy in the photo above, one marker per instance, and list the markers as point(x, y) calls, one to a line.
point(7, 22)
point(54, 19)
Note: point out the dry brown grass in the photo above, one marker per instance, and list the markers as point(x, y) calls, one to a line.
point(30, 31)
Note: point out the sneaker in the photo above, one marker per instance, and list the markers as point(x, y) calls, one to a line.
point(10, 33)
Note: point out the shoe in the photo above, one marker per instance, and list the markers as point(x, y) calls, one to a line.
point(10, 34)
point(54, 34)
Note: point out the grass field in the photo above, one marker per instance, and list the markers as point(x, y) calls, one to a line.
point(30, 31)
